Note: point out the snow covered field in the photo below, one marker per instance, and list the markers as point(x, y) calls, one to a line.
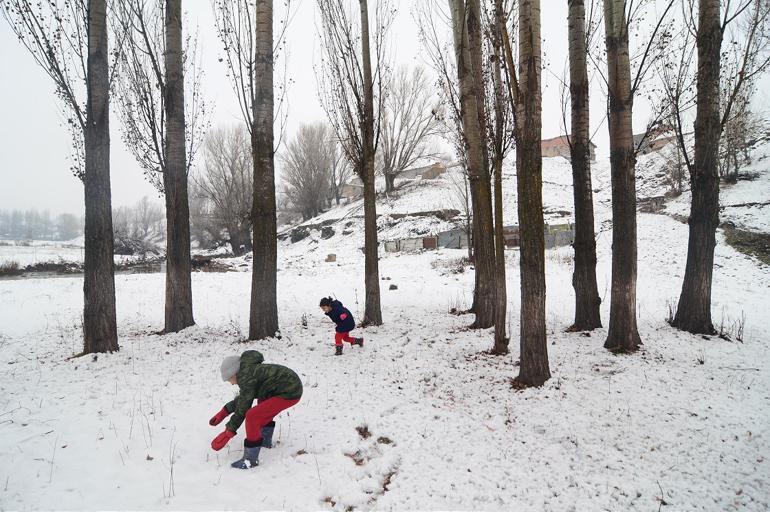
point(30, 253)
point(685, 420)
point(44, 251)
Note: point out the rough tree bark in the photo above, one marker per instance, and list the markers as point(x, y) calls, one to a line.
point(100, 333)
point(622, 335)
point(501, 307)
point(263, 313)
point(372, 310)
point(534, 369)
point(587, 301)
point(501, 294)
point(466, 29)
point(390, 182)
point(179, 309)
point(693, 313)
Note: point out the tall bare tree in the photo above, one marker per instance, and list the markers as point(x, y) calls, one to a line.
point(724, 79)
point(70, 43)
point(524, 92)
point(627, 75)
point(307, 166)
point(225, 182)
point(467, 36)
point(263, 317)
point(501, 136)
point(179, 309)
point(694, 308)
point(372, 310)
point(623, 334)
point(498, 131)
point(534, 351)
point(245, 28)
point(156, 72)
point(349, 88)
point(587, 301)
point(408, 124)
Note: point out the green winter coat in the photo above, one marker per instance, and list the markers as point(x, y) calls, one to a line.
point(260, 381)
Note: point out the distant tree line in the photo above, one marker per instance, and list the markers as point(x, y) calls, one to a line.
point(34, 224)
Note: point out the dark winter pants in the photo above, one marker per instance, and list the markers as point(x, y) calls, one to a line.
point(339, 337)
point(262, 414)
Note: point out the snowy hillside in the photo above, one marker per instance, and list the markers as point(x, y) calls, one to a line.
point(746, 203)
point(421, 417)
point(420, 196)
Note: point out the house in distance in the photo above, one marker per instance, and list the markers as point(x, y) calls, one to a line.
point(559, 146)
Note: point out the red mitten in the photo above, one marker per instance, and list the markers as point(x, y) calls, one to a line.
point(343, 316)
point(218, 417)
point(222, 439)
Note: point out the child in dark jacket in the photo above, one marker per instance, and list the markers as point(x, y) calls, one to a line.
point(275, 388)
point(341, 316)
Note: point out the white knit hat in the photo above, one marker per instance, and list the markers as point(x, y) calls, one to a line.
point(230, 366)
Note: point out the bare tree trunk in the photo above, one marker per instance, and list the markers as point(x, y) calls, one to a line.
point(238, 239)
point(534, 369)
point(623, 335)
point(466, 19)
point(587, 301)
point(390, 182)
point(469, 226)
point(179, 310)
point(100, 333)
point(693, 313)
point(372, 311)
point(263, 315)
point(501, 307)
point(244, 228)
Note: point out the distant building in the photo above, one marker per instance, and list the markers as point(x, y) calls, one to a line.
point(657, 138)
point(559, 146)
point(558, 235)
point(554, 235)
point(352, 189)
point(427, 172)
point(511, 236)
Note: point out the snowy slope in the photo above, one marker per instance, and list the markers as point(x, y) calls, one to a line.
point(745, 203)
point(129, 430)
point(439, 194)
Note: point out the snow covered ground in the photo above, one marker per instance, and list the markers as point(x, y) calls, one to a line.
point(421, 417)
point(683, 421)
point(41, 251)
point(745, 203)
point(33, 252)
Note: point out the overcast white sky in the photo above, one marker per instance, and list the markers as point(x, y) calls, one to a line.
point(34, 146)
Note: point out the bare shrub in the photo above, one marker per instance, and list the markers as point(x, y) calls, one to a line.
point(458, 304)
point(732, 329)
point(9, 268)
point(671, 307)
